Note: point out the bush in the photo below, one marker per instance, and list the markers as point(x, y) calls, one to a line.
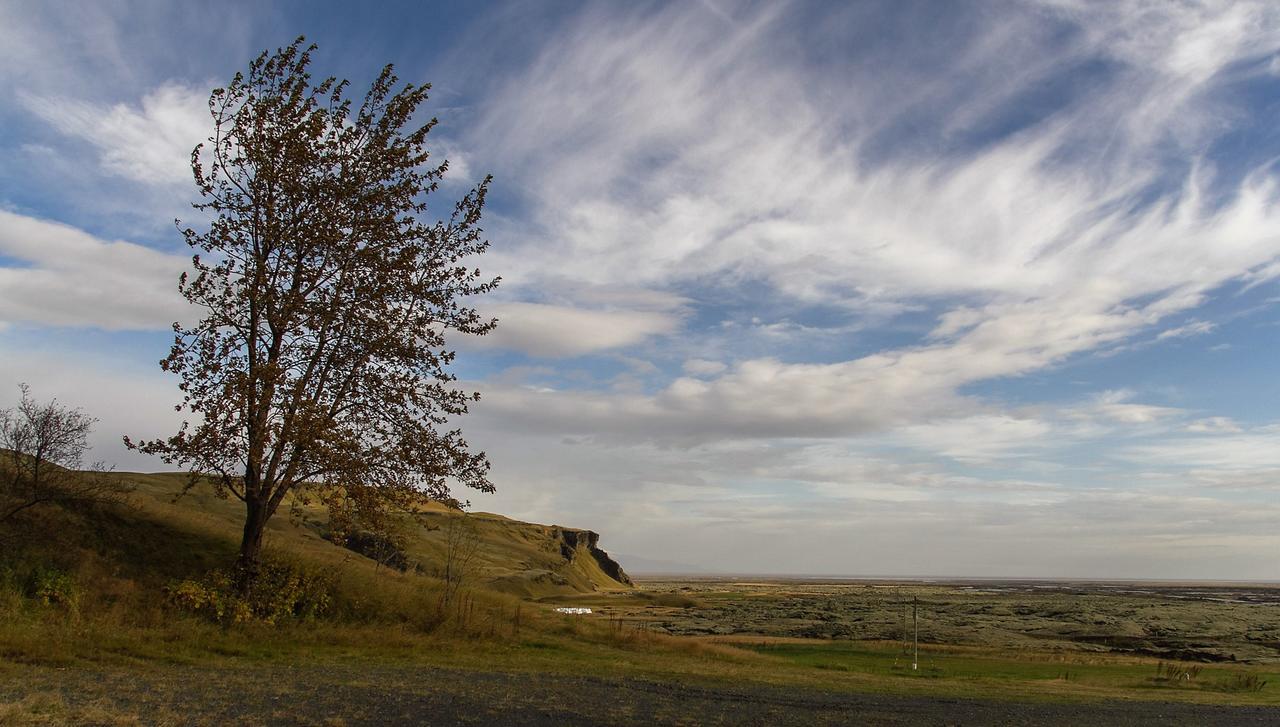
point(212, 597)
point(283, 591)
point(52, 587)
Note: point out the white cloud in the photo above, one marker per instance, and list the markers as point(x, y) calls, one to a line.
point(1117, 406)
point(149, 143)
point(755, 399)
point(979, 438)
point(703, 367)
point(1194, 328)
point(1263, 479)
point(557, 331)
point(1213, 424)
point(1252, 449)
point(72, 278)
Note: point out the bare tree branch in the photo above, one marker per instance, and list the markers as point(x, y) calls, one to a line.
point(42, 450)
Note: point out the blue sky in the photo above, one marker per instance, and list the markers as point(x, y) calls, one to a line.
point(874, 288)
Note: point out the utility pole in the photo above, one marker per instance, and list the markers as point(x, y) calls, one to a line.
point(915, 623)
point(904, 625)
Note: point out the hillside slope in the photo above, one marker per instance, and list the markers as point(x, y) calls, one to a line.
point(524, 559)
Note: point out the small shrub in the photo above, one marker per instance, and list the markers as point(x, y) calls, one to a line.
point(212, 597)
point(52, 587)
point(282, 591)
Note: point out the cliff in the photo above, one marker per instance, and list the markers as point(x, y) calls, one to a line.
point(583, 543)
point(526, 559)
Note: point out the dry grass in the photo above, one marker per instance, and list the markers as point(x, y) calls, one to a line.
point(50, 708)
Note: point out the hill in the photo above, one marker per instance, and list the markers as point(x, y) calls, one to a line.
point(528, 560)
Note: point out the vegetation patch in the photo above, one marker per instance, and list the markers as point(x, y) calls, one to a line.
point(381, 548)
point(282, 591)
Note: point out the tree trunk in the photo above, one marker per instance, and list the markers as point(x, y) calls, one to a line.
point(250, 560)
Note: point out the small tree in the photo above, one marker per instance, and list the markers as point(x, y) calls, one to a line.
point(319, 367)
point(461, 545)
point(43, 450)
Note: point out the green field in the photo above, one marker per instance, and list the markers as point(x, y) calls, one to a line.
point(980, 668)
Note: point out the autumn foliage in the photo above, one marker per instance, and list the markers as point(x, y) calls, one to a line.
point(326, 291)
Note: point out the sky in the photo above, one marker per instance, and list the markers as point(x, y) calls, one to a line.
point(876, 288)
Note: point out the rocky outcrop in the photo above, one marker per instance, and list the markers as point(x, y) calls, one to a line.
point(583, 543)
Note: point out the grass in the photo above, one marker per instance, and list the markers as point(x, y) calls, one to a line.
point(982, 667)
point(566, 645)
point(50, 708)
point(105, 571)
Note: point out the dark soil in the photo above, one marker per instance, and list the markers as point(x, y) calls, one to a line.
point(350, 695)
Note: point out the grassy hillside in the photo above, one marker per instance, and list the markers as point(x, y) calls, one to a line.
point(148, 578)
point(523, 559)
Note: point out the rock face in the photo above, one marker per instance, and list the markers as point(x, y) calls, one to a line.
point(529, 560)
point(583, 544)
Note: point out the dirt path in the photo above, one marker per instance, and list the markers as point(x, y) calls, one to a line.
point(349, 696)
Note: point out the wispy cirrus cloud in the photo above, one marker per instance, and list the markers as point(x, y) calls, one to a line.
point(1187, 330)
point(558, 331)
point(683, 169)
point(149, 143)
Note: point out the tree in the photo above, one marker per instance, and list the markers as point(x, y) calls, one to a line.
point(43, 449)
point(461, 545)
point(320, 366)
